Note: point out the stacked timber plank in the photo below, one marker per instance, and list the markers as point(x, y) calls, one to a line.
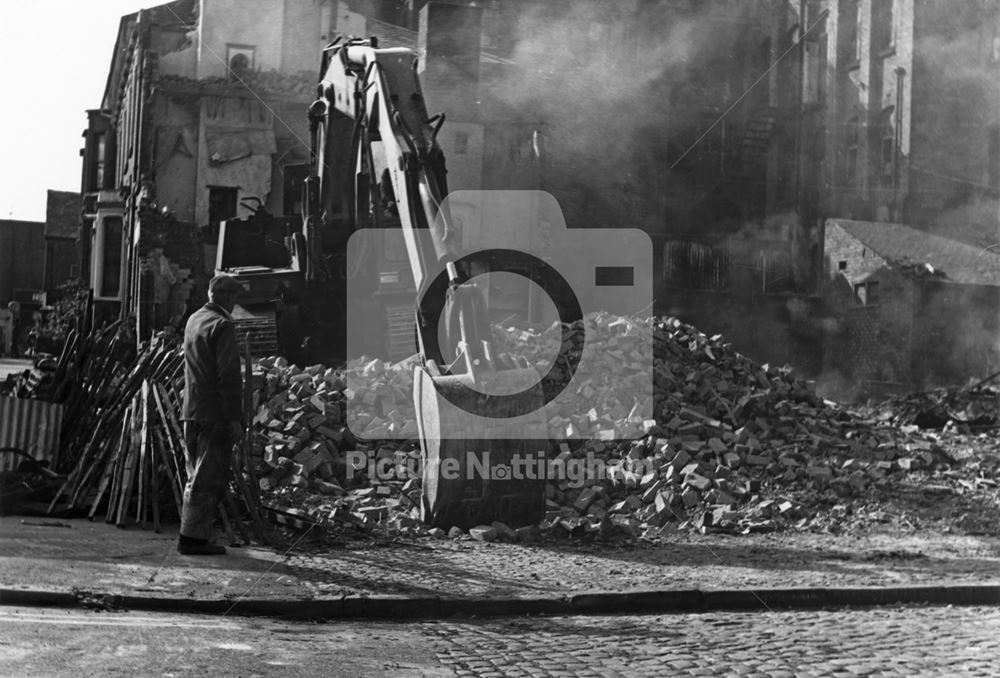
point(122, 443)
point(122, 436)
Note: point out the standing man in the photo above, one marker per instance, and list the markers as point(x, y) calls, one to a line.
point(213, 413)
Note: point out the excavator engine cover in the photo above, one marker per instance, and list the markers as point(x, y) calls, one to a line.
point(470, 478)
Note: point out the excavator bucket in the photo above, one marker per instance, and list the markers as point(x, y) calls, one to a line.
point(470, 476)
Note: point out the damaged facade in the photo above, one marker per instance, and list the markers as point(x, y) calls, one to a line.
point(204, 118)
point(912, 136)
point(730, 131)
point(877, 110)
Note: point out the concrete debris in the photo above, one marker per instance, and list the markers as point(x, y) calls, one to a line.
point(976, 407)
point(732, 446)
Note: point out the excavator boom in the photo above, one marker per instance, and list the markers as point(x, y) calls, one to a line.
point(377, 164)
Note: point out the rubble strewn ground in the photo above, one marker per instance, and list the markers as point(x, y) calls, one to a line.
point(733, 447)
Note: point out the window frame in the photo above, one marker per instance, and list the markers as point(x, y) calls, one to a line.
point(883, 30)
point(235, 190)
point(863, 294)
point(98, 254)
point(887, 135)
point(849, 35)
point(852, 147)
point(234, 49)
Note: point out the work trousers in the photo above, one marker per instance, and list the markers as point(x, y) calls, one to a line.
point(208, 454)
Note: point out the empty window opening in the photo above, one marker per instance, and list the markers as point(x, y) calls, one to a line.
point(866, 293)
point(240, 59)
point(222, 202)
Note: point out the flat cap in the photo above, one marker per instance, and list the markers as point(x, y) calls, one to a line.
point(224, 283)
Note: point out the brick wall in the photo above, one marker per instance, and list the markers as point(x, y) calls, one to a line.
point(847, 257)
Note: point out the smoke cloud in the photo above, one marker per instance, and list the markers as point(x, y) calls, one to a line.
point(601, 78)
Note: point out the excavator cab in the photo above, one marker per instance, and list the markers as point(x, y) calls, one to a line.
point(262, 253)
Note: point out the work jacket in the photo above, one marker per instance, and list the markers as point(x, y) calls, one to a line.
point(213, 383)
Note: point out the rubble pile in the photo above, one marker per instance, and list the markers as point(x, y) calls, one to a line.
point(977, 407)
point(732, 445)
point(299, 426)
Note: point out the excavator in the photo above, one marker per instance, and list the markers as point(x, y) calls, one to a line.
point(376, 166)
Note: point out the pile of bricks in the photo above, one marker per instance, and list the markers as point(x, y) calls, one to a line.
point(732, 445)
point(299, 426)
point(973, 408)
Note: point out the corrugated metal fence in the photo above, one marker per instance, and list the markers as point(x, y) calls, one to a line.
point(758, 265)
point(696, 266)
point(29, 425)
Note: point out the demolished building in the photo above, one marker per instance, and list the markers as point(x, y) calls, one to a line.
point(910, 309)
point(204, 118)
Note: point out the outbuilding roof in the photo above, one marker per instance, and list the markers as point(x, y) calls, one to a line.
point(924, 255)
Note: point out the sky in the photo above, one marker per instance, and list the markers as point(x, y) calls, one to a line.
point(54, 60)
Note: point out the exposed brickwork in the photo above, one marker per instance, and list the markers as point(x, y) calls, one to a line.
point(848, 257)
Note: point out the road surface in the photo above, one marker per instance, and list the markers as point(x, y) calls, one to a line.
point(897, 641)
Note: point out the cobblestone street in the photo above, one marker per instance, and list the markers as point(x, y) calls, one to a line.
point(899, 641)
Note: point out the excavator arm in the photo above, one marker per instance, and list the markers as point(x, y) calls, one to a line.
point(397, 164)
point(385, 169)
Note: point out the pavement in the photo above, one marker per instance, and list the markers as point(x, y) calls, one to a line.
point(73, 563)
